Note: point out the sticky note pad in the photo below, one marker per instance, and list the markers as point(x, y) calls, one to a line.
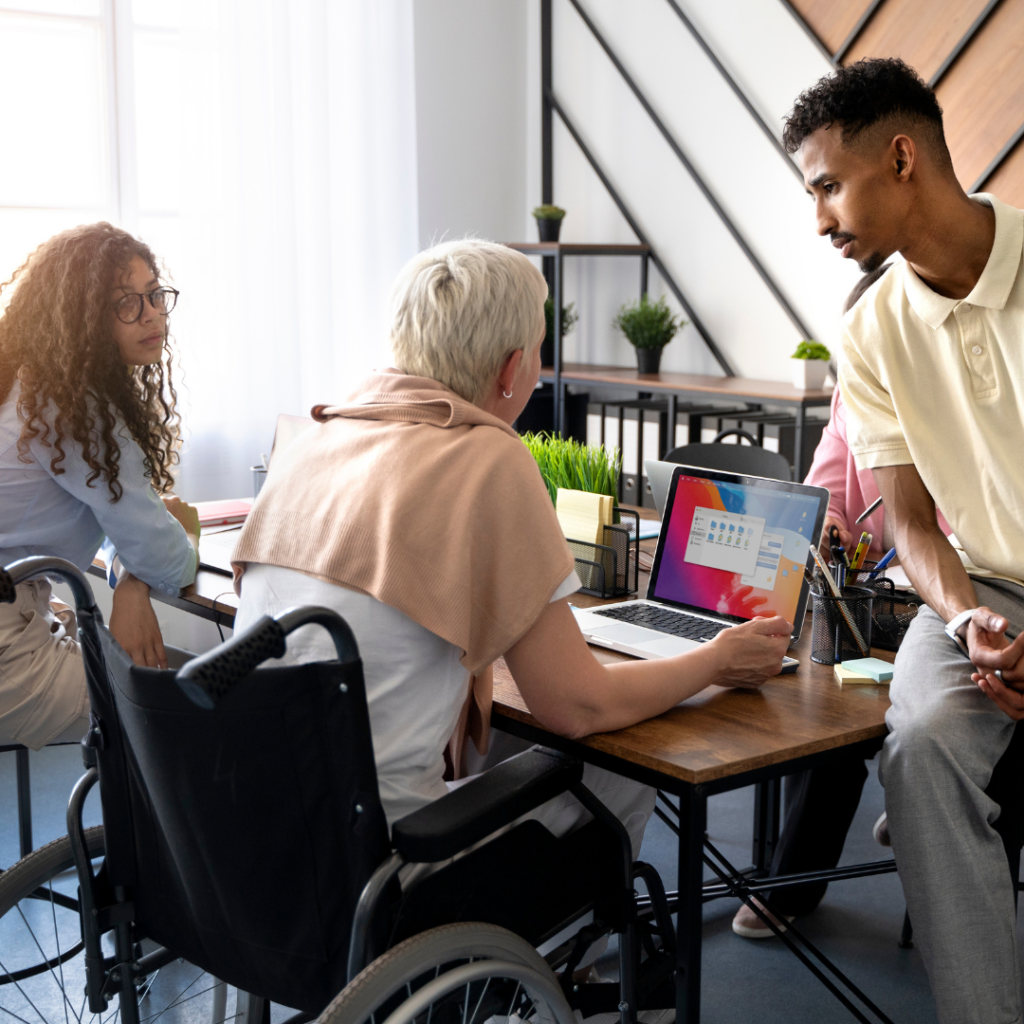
point(880, 671)
point(847, 678)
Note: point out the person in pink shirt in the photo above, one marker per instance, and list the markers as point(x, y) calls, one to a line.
point(821, 802)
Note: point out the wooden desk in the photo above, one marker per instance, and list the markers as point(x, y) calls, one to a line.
point(719, 740)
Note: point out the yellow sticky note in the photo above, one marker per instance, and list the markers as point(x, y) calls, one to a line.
point(847, 678)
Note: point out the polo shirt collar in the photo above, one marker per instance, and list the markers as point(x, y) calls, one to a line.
point(996, 281)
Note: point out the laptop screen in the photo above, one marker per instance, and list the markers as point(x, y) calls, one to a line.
point(737, 546)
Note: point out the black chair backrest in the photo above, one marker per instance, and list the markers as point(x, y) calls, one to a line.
point(750, 460)
point(243, 833)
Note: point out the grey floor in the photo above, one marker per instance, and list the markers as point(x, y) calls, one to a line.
point(857, 924)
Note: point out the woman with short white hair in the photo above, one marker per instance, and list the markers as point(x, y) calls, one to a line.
point(416, 512)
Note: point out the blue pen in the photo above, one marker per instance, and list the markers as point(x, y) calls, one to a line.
point(884, 561)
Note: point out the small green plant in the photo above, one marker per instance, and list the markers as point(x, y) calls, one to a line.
point(811, 350)
point(548, 212)
point(648, 324)
point(569, 318)
point(564, 462)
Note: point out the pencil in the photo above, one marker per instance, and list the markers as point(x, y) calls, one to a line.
point(861, 551)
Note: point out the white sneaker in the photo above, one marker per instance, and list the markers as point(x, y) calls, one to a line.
point(748, 925)
point(880, 833)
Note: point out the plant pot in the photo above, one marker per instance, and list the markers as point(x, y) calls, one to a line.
point(548, 229)
point(648, 359)
point(809, 374)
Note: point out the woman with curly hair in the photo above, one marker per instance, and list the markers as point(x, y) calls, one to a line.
point(88, 437)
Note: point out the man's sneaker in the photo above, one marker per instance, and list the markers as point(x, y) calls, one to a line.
point(748, 925)
point(880, 833)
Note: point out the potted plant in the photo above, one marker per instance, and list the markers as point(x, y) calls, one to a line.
point(810, 365)
point(649, 327)
point(569, 318)
point(549, 221)
point(566, 463)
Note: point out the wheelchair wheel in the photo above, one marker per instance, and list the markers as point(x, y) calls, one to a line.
point(468, 973)
point(42, 961)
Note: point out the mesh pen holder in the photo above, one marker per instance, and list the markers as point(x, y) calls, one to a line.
point(893, 611)
point(841, 626)
point(610, 569)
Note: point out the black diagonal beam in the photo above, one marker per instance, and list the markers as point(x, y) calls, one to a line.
point(1000, 157)
point(697, 179)
point(976, 26)
point(643, 239)
point(740, 94)
point(862, 23)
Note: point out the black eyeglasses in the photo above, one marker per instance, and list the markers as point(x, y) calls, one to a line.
point(129, 307)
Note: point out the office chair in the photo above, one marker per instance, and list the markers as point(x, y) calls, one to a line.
point(243, 834)
point(750, 459)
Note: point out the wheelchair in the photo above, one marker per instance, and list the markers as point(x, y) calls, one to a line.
point(244, 844)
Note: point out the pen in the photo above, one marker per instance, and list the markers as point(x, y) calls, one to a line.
point(871, 508)
point(862, 550)
point(884, 561)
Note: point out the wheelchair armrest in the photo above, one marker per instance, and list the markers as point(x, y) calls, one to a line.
point(455, 822)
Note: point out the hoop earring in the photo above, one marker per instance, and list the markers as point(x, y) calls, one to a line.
point(506, 394)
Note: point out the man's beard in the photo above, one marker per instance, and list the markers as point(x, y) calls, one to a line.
point(871, 263)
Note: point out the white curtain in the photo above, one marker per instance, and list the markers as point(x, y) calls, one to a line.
point(289, 126)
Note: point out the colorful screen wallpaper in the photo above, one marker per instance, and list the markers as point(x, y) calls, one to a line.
point(736, 550)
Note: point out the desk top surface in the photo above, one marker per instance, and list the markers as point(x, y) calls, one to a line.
point(697, 383)
point(722, 732)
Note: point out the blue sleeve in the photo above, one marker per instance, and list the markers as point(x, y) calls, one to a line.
point(150, 542)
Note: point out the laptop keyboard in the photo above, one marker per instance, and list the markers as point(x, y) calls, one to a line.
point(664, 620)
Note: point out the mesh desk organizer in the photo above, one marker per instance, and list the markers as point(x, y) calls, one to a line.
point(610, 569)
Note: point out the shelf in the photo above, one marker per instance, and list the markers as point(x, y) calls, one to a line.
point(692, 383)
point(578, 249)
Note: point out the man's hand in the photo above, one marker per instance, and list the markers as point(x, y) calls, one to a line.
point(752, 653)
point(133, 623)
point(186, 514)
point(845, 538)
point(991, 652)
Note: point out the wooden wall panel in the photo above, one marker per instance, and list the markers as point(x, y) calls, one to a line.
point(982, 95)
point(832, 20)
point(1008, 181)
point(922, 32)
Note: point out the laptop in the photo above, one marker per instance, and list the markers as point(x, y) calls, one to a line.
point(732, 548)
point(659, 476)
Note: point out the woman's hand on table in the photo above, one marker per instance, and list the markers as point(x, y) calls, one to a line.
point(133, 623)
point(186, 514)
point(751, 653)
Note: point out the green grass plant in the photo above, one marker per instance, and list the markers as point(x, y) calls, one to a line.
point(648, 324)
point(566, 463)
point(811, 350)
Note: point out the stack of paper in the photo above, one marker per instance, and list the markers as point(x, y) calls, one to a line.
point(863, 672)
point(583, 516)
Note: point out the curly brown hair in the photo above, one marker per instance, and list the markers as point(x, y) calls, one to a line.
point(56, 339)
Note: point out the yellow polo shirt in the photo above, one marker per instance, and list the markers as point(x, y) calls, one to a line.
point(939, 383)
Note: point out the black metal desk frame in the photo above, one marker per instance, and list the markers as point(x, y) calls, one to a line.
point(695, 851)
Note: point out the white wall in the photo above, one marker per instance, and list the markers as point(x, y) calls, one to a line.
point(478, 105)
point(471, 117)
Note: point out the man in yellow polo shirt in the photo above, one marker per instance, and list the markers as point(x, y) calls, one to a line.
point(932, 376)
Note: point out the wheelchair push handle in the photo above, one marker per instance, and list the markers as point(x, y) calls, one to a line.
point(206, 680)
point(39, 565)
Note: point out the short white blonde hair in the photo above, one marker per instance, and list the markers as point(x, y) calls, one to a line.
point(459, 309)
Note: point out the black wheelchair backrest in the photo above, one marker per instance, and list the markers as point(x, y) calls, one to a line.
point(245, 829)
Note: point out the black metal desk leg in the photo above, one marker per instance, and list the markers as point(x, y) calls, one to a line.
point(559, 387)
point(24, 801)
point(798, 444)
point(693, 805)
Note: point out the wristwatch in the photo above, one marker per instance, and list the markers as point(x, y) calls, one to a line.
point(956, 629)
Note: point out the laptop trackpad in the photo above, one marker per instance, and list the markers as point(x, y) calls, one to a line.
point(622, 633)
point(667, 647)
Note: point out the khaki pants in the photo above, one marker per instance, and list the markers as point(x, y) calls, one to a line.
point(43, 696)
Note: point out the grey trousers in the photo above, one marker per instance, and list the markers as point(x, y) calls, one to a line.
point(945, 739)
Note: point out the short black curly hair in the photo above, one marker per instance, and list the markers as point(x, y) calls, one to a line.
point(862, 95)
